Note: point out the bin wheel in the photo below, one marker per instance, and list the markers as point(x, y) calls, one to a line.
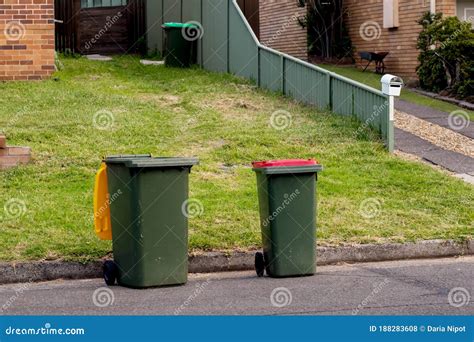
point(110, 271)
point(267, 266)
point(259, 264)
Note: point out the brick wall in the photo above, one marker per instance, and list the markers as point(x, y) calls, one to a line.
point(279, 27)
point(367, 16)
point(12, 156)
point(447, 7)
point(26, 39)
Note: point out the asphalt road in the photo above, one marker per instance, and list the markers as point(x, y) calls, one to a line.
point(387, 288)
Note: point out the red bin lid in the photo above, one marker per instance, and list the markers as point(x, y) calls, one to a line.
point(284, 163)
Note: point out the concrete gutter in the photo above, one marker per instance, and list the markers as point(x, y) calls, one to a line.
point(236, 261)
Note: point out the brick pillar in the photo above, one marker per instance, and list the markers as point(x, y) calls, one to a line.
point(26, 39)
point(12, 156)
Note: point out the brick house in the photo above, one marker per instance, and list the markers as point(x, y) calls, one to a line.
point(373, 25)
point(391, 26)
point(26, 39)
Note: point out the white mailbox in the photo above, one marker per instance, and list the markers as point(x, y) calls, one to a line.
point(392, 85)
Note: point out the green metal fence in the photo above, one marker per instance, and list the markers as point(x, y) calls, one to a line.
point(228, 44)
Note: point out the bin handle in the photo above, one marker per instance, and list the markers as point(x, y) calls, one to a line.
point(102, 222)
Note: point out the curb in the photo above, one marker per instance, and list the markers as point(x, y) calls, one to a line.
point(240, 261)
point(460, 103)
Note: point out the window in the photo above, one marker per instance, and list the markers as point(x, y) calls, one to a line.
point(469, 14)
point(465, 10)
point(390, 14)
point(102, 3)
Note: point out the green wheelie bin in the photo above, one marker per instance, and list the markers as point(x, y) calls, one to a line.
point(286, 195)
point(180, 44)
point(148, 218)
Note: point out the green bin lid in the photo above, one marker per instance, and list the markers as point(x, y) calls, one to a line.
point(179, 25)
point(126, 156)
point(145, 160)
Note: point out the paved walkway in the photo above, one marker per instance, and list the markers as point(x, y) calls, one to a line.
point(460, 164)
point(452, 161)
point(417, 287)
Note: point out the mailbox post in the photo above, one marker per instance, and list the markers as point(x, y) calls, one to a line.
point(392, 86)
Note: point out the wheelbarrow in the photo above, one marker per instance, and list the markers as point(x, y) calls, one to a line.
point(377, 57)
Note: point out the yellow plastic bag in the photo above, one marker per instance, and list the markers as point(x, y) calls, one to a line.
point(103, 225)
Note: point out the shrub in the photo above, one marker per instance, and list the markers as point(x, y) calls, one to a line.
point(447, 55)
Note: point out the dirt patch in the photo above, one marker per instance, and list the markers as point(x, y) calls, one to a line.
point(208, 146)
point(19, 249)
point(435, 134)
point(236, 106)
point(212, 176)
point(160, 99)
point(222, 171)
point(91, 77)
point(186, 124)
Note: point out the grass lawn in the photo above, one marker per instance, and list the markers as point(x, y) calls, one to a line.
point(224, 121)
point(372, 79)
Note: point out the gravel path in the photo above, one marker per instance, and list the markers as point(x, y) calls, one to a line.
point(437, 135)
point(457, 121)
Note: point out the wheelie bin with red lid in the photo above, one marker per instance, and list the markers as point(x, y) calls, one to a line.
point(287, 201)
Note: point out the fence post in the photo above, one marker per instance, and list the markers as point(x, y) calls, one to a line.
point(329, 90)
point(390, 128)
point(228, 36)
point(259, 83)
point(201, 41)
point(283, 74)
point(76, 20)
